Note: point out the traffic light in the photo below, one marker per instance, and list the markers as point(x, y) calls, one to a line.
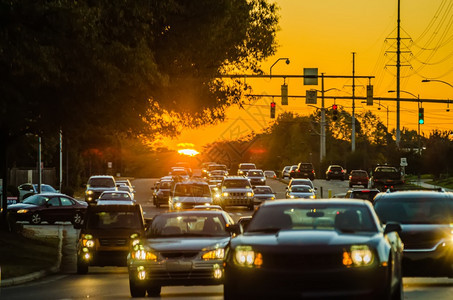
point(272, 110)
point(334, 112)
point(421, 115)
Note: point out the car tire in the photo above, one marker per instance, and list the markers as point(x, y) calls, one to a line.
point(154, 290)
point(136, 289)
point(82, 268)
point(35, 218)
point(77, 218)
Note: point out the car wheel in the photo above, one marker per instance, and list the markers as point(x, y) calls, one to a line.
point(82, 268)
point(154, 291)
point(136, 289)
point(35, 219)
point(77, 219)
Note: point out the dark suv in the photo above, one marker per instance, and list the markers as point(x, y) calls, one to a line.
point(106, 235)
point(304, 170)
point(426, 218)
point(98, 184)
point(335, 172)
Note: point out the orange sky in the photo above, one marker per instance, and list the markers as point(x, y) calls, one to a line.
point(323, 34)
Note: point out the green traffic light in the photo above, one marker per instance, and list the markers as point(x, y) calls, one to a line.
point(421, 121)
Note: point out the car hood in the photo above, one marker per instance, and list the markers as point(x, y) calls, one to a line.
point(303, 239)
point(419, 236)
point(192, 199)
point(187, 244)
point(18, 206)
point(237, 190)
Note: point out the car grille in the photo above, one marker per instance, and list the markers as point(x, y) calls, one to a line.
point(112, 242)
point(186, 275)
point(236, 195)
point(174, 255)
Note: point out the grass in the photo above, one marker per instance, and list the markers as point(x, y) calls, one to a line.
point(446, 182)
point(20, 255)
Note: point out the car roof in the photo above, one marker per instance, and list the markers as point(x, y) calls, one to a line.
point(414, 194)
point(327, 202)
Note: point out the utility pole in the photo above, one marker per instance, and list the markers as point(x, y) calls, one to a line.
point(353, 104)
point(322, 147)
point(398, 75)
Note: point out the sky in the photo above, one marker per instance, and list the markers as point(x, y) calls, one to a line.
point(323, 34)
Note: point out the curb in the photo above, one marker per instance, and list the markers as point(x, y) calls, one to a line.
point(39, 274)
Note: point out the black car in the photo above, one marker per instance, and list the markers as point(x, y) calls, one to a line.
point(305, 170)
point(426, 218)
point(295, 249)
point(49, 207)
point(335, 172)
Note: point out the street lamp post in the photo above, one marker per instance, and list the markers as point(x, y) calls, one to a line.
point(435, 80)
point(281, 58)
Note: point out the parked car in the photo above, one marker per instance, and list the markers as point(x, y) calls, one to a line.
point(296, 249)
point(47, 207)
point(187, 194)
point(305, 170)
point(256, 177)
point(270, 174)
point(98, 184)
point(244, 167)
point(28, 189)
point(107, 234)
point(118, 197)
point(285, 172)
point(358, 177)
point(300, 191)
point(180, 248)
point(335, 172)
point(364, 194)
point(426, 218)
point(263, 193)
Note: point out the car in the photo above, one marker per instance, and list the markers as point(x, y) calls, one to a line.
point(263, 193)
point(98, 184)
point(300, 191)
point(181, 248)
point(106, 235)
point(216, 176)
point(296, 249)
point(177, 172)
point(244, 167)
point(161, 191)
point(301, 181)
point(285, 172)
point(187, 194)
point(28, 189)
point(270, 174)
point(256, 177)
point(47, 207)
point(236, 191)
point(358, 177)
point(217, 167)
point(292, 171)
point(335, 172)
point(385, 176)
point(204, 168)
point(125, 185)
point(364, 194)
point(118, 197)
point(426, 218)
point(304, 170)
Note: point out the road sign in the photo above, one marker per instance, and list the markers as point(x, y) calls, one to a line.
point(284, 94)
point(311, 96)
point(310, 76)
point(403, 162)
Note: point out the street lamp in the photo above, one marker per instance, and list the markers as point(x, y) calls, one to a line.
point(435, 80)
point(281, 58)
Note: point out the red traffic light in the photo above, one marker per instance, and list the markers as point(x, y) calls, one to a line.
point(272, 104)
point(334, 106)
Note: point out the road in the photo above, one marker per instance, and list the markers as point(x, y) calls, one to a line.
point(112, 282)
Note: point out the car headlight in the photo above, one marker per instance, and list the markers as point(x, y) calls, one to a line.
point(292, 196)
point(22, 211)
point(90, 192)
point(225, 194)
point(178, 205)
point(312, 197)
point(88, 241)
point(358, 256)
point(249, 194)
point(245, 256)
point(214, 254)
point(139, 253)
point(217, 195)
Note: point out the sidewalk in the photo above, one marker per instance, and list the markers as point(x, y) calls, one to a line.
point(422, 183)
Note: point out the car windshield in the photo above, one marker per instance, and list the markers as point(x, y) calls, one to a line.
point(342, 218)
point(192, 190)
point(187, 225)
point(416, 210)
point(217, 167)
point(302, 182)
point(115, 196)
point(114, 219)
point(236, 184)
point(301, 189)
point(101, 182)
point(36, 200)
point(262, 190)
point(359, 173)
point(165, 184)
point(247, 166)
point(365, 195)
point(255, 173)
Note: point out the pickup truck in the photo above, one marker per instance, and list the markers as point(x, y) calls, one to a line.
point(384, 177)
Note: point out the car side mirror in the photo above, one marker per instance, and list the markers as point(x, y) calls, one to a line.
point(392, 227)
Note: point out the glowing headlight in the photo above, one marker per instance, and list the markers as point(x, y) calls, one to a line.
point(359, 255)
point(143, 255)
point(22, 211)
point(217, 195)
point(312, 197)
point(214, 254)
point(292, 196)
point(245, 257)
point(225, 194)
point(249, 194)
point(178, 205)
point(272, 198)
point(88, 241)
point(90, 192)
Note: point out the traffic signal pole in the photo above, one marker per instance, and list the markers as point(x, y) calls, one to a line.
point(322, 145)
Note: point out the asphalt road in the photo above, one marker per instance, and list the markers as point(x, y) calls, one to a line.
point(112, 282)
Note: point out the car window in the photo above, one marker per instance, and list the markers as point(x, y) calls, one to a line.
point(255, 173)
point(55, 201)
point(101, 182)
point(36, 200)
point(263, 190)
point(365, 195)
point(301, 189)
point(236, 184)
point(417, 210)
point(192, 190)
point(165, 185)
point(342, 218)
point(66, 201)
point(171, 225)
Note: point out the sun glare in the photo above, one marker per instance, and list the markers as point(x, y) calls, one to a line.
point(188, 152)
